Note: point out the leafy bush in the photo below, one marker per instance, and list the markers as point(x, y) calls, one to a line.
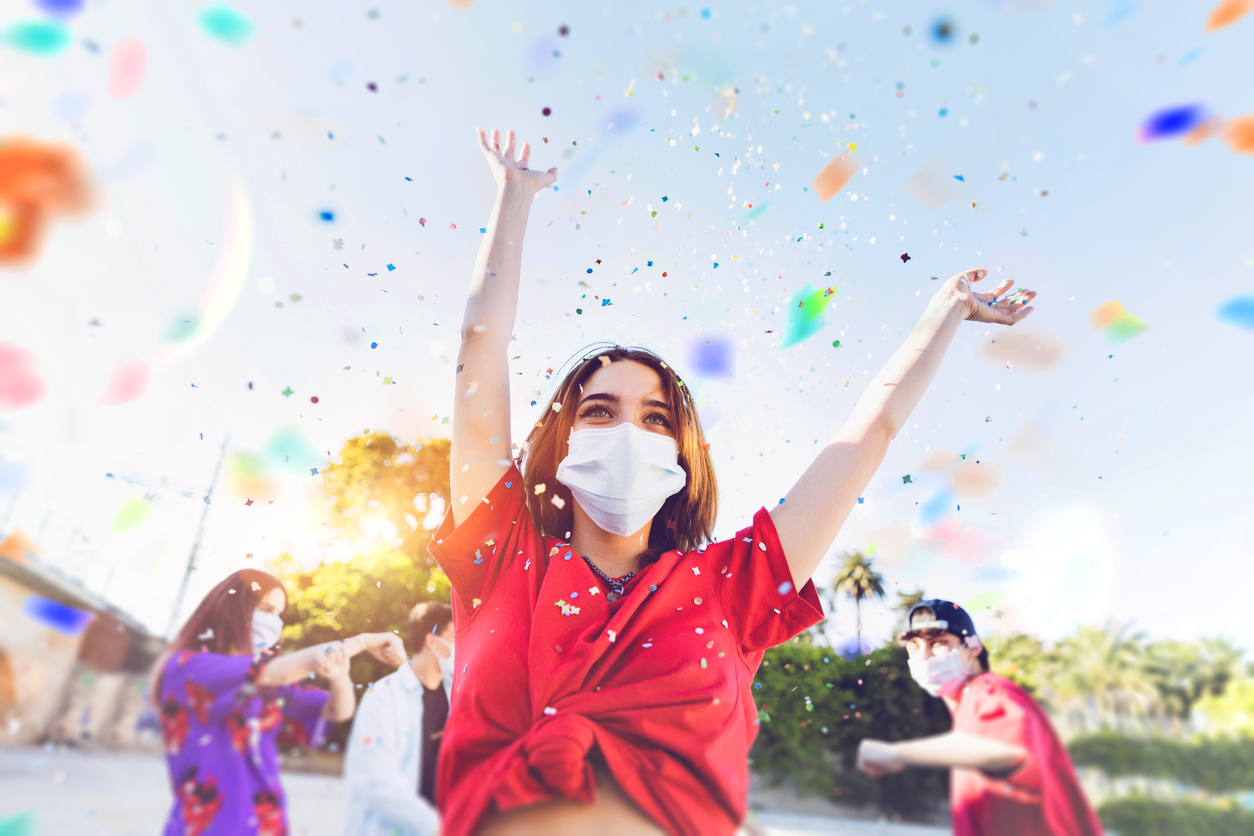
point(1217, 766)
point(1144, 817)
point(815, 707)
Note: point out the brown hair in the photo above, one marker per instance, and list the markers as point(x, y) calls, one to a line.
point(685, 521)
point(927, 614)
point(222, 623)
point(429, 617)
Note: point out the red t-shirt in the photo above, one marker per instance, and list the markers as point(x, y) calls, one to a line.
point(1042, 796)
point(658, 681)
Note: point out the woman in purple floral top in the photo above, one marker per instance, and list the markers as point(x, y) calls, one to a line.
point(226, 700)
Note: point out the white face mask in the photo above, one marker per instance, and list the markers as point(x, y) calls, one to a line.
point(621, 476)
point(446, 665)
point(940, 676)
point(267, 627)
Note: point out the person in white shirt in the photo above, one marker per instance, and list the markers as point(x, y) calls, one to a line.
point(395, 742)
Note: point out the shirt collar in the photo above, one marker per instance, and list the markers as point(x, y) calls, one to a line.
point(408, 678)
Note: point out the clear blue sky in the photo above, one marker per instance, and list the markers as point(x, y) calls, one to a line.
point(1138, 510)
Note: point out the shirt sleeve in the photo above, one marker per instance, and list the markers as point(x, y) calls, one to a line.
point(210, 682)
point(751, 577)
point(303, 723)
point(997, 715)
point(372, 770)
point(475, 553)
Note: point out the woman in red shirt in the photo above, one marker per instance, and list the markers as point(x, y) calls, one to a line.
point(605, 648)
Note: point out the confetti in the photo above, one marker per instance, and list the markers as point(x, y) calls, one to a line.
point(37, 37)
point(1227, 13)
point(1114, 321)
point(224, 23)
point(126, 72)
point(20, 384)
point(128, 383)
point(805, 311)
point(1238, 311)
point(1171, 122)
point(836, 175)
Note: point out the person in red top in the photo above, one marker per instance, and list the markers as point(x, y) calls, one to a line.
point(1010, 772)
point(605, 646)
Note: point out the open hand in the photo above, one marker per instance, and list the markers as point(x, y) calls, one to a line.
point(997, 306)
point(387, 648)
point(508, 170)
point(878, 758)
point(333, 662)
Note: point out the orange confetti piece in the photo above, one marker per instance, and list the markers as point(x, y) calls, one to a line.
point(1227, 13)
point(1239, 134)
point(836, 175)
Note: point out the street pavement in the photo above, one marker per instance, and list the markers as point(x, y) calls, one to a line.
point(78, 793)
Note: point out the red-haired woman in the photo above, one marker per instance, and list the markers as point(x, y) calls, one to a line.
point(224, 699)
point(586, 583)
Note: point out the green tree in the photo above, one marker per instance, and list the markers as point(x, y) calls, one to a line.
point(381, 492)
point(1020, 658)
point(1104, 669)
point(905, 600)
point(858, 579)
point(816, 706)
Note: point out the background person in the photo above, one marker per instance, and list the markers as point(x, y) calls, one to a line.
point(224, 697)
point(606, 652)
point(392, 752)
point(1011, 773)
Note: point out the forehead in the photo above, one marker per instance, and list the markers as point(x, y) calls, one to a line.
point(276, 596)
point(626, 378)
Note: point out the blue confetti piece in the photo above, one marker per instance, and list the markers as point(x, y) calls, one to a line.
point(589, 269)
point(785, 587)
point(960, 178)
point(509, 484)
point(391, 267)
point(484, 230)
point(374, 345)
point(410, 179)
point(60, 617)
point(1190, 56)
point(861, 499)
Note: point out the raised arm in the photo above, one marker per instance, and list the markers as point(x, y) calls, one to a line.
point(481, 445)
point(293, 667)
point(818, 505)
point(878, 757)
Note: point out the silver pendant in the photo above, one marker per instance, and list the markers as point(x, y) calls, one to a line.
point(611, 597)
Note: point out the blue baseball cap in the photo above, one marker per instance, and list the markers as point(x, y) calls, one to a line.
point(949, 617)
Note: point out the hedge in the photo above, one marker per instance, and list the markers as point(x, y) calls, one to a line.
point(1217, 766)
point(1143, 817)
point(814, 708)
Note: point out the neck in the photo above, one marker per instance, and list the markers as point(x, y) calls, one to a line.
point(427, 669)
point(952, 702)
point(613, 555)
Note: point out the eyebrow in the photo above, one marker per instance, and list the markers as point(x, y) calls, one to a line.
point(609, 397)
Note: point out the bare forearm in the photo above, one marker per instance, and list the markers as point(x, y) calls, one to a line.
point(298, 665)
point(894, 393)
point(493, 299)
point(341, 704)
point(961, 750)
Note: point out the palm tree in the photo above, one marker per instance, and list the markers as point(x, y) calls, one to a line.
point(1105, 668)
point(858, 579)
point(905, 600)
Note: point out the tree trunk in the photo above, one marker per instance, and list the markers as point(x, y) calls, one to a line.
point(857, 602)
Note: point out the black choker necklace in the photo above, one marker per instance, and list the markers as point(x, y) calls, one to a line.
point(615, 584)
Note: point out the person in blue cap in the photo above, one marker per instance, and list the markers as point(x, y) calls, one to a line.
point(1010, 772)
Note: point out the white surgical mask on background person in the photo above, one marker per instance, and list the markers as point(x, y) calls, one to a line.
point(621, 475)
point(446, 665)
point(267, 627)
point(940, 676)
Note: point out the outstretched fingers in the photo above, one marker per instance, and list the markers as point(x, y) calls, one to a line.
point(509, 145)
point(525, 156)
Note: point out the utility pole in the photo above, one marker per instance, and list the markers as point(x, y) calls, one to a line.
point(191, 558)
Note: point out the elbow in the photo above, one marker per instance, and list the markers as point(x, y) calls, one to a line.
point(883, 428)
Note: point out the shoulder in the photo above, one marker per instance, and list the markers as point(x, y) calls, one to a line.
point(989, 695)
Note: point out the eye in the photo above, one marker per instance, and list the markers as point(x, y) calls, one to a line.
point(595, 411)
point(658, 418)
